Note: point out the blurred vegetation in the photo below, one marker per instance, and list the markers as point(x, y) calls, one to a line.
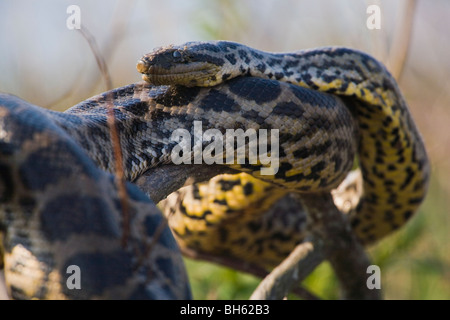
point(51, 66)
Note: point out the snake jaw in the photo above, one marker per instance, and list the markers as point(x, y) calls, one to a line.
point(190, 74)
point(184, 65)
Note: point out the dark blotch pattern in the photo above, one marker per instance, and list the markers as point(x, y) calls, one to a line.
point(259, 90)
point(227, 185)
point(53, 159)
point(84, 215)
point(244, 56)
point(209, 58)
point(231, 58)
point(218, 101)
point(99, 271)
point(222, 202)
point(135, 106)
point(318, 149)
point(225, 76)
point(288, 108)
point(208, 47)
point(248, 188)
point(152, 223)
point(7, 182)
point(177, 96)
point(315, 98)
point(196, 192)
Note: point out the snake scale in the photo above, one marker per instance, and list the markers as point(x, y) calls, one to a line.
point(391, 153)
point(59, 210)
point(59, 204)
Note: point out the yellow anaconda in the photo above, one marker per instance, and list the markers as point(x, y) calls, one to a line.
point(48, 154)
point(59, 207)
point(391, 153)
point(61, 220)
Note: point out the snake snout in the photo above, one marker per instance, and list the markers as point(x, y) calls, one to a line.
point(142, 66)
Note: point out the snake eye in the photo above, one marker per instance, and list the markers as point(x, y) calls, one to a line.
point(176, 54)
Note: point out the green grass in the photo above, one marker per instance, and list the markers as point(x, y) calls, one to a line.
point(214, 282)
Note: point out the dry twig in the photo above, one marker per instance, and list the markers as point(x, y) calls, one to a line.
point(402, 37)
point(280, 281)
point(331, 235)
point(115, 140)
point(340, 246)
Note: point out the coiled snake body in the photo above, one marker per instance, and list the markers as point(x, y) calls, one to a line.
point(391, 153)
point(317, 148)
point(58, 211)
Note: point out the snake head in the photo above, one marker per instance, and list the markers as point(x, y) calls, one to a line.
point(191, 64)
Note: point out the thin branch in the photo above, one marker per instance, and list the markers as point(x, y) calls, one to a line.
point(340, 246)
point(401, 40)
point(333, 239)
point(246, 267)
point(159, 182)
point(117, 32)
point(280, 281)
point(225, 261)
point(98, 56)
point(115, 140)
point(3, 290)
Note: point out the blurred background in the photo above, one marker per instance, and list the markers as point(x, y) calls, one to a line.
point(47, 64)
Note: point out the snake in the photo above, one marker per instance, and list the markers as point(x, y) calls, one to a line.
point(59, 211)
point(391, 154)
point(327, 104)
